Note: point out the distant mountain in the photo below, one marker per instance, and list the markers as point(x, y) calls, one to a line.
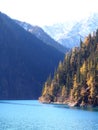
point(42, 35)
point(59, 30)
point(25, 61)
point(69, 34)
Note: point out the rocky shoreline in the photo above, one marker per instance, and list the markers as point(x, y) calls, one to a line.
point(78, 103)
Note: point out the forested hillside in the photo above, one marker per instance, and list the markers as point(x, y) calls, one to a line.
point(75, 81)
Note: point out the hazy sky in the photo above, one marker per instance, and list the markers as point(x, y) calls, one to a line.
point(45, 12)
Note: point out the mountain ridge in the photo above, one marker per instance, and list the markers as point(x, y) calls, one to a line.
point(42, 35)
point(25, 61)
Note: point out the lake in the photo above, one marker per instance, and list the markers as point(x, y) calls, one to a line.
point(32, 115)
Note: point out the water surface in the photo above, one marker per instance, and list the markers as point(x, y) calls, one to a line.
point(32, 115)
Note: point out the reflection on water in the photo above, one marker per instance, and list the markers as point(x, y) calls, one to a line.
point(19, 102)
point(32, 115)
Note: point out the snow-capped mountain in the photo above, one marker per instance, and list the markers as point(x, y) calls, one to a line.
point(59, 30)
point(42, 35)
point(69, 33)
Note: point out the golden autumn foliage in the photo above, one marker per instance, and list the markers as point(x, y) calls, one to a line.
point(75, 84)
point(83, 68)
point(45, 91)
point(90, 80)
point(63, 92)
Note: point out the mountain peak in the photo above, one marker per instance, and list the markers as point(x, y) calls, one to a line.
point(69, 33)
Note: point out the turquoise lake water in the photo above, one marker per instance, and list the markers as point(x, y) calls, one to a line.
point(32, 115)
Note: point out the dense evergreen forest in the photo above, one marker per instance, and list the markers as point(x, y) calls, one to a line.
point(75, 81)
